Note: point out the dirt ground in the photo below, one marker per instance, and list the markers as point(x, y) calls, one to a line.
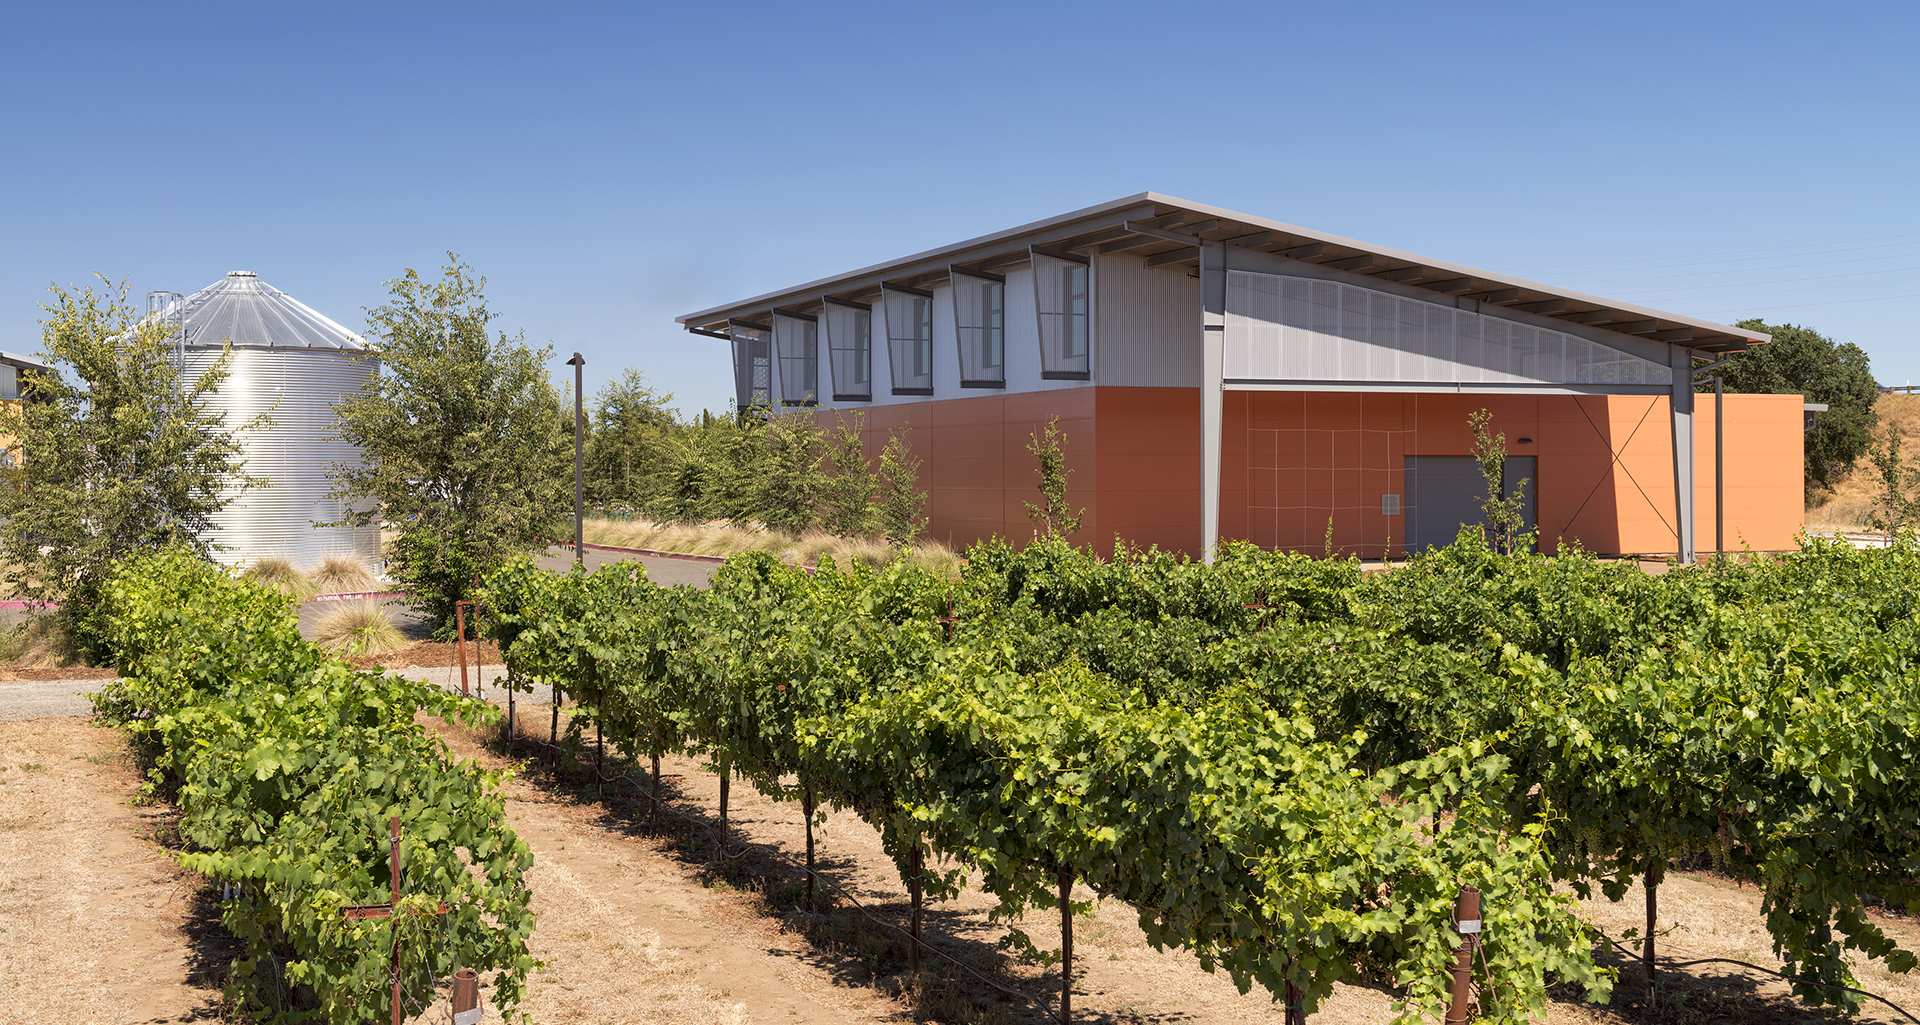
point(96, 924)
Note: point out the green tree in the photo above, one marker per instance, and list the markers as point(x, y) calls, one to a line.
point(125, 458)
point(464, 455)
point(1505, 506)
point(901, 505)
point(1053, 514)
point(631, 424)
point(1896, 505)
point(709, 470)
point(790, 481)
point(847, 494)
point(1803, 361)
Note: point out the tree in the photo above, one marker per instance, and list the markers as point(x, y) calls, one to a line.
point(631, 421)
point(901, 506)
point(1896, 506)
point(790, 481)
point(464, 455)
point(1053, 514)
point(710, 470)
point(1505, 506)
point(847, 496)
point(126, 458)
point(1803, 361)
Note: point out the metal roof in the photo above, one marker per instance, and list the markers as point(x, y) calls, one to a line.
point(14, 359)
point(243, 310)
point(1166, 232)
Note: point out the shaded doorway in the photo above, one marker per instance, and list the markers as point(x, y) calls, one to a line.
point(1444, 492)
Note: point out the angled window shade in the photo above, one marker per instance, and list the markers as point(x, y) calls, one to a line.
point(850, 349)
point(797, 341)
point(1284, 328)
point(908, 314)
point(980, 325)
point(752, 365)
point(1063, 301)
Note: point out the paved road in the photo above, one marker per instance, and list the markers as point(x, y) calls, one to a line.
point(31, 699)
point(665, 572)
point(39, 699)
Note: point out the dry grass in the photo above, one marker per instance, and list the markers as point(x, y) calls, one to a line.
point(280, 575)
point(343, 574)
point(1850, 503)
point(722, 538)
point(41, 642)
point(358, 628)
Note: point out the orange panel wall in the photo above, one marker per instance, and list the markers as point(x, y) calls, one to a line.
point(1303, 467)
point(975, 468)
point(1300, 468)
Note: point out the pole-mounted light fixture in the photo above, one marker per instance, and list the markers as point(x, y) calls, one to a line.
point(579, 364)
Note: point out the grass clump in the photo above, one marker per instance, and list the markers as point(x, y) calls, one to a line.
point(42, 642)
point(280, 575)
point(359, 628)
point(343, 574)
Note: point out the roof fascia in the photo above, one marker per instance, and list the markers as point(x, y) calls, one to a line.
point(1461, 269)
point(1144, 205)
point(933, 260)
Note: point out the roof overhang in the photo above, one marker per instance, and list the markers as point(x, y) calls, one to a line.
point(1168, 232)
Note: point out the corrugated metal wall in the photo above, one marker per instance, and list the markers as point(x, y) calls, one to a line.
point(297, 389)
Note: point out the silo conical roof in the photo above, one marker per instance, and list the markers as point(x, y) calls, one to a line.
point(248, 312)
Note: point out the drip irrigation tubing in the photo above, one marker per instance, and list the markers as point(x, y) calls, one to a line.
point(1668, 963)
point(720, 842)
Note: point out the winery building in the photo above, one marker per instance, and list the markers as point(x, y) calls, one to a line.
point(1224, 376)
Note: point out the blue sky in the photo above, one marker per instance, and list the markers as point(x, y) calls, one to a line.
point(610, 167)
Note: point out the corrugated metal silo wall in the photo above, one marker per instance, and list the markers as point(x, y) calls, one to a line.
point(297, 389)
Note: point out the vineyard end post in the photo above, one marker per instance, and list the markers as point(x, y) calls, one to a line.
point(599, 756)
point(1466, 921)
point(460, 642)
point(393, 886)
point(465, 997)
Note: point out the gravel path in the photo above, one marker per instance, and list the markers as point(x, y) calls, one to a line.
point(41, 699)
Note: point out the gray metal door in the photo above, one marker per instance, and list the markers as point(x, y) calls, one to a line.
point(1444, 492)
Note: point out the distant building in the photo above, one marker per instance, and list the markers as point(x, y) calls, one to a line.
point(13, 390)
point(1221, 375)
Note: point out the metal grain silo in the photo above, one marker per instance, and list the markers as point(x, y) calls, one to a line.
point(291, 364)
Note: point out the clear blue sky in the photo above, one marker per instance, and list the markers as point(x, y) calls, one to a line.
point(608, 168)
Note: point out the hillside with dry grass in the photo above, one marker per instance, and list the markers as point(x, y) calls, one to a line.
point(1849, 505)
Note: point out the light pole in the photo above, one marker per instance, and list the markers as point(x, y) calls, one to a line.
point(579, 364)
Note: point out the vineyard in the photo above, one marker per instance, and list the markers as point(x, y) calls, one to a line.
point(289, 770)
point(1290, 768)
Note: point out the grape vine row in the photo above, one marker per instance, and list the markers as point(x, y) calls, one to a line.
point(1290, 768)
